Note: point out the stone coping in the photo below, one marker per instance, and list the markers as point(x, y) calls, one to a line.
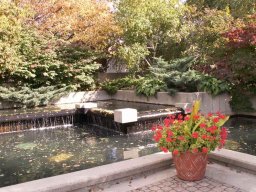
point(236, 159)
point(82, 179)
point(106, 173)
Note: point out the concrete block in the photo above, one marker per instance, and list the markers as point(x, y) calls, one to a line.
point(86, 105)
point(125, 115)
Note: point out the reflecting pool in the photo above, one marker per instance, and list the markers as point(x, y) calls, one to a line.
point(36, 154)
point(242, 135)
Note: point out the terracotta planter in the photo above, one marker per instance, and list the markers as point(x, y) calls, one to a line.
point(190, 166)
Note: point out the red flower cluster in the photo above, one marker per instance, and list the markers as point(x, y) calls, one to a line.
point(223, 136)
point(158, 136)
point(195, 133)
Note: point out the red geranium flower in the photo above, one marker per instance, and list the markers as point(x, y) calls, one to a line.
point(180, 117)
point(202, 125)
point(209, 114)
point(187, 118)
point(158, 136)
point(160, 127)
point(195, 135)
point(196, 117)
point(168, 139)
point(205, 150)
point(169, 133)
point(153, 128)
point(204, 137)
point(164, 149)
point(167, 122)
point(175, 152)
point(181, 138)
point(216, 119)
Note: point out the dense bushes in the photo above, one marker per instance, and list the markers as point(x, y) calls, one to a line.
point(123, 83)
point(196, 46)
point(173, 76)
point(28, 97)
point(36, 61)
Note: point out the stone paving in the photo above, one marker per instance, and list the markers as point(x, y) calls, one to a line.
point(173, 184)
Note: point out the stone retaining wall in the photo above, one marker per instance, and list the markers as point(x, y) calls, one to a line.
point(209, 103)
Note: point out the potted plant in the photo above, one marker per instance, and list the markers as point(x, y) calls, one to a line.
point(190, 138)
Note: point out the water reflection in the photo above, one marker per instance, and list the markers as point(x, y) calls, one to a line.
point(36, 154)
point(31, 155)
point(242, 135)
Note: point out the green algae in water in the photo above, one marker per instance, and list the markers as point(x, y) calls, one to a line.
point(60, 157)
point(232, 145)
point(26, 146)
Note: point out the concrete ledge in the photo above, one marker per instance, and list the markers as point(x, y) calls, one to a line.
point(234, 158)
point(242, 180)
point(83, 179)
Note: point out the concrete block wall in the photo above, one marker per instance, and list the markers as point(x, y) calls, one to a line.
point(82, 97)
point(208, 103)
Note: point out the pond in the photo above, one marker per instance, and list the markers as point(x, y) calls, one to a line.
point(242, 134)
point(35, 154)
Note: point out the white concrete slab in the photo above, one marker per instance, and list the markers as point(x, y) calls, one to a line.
point(125, 115)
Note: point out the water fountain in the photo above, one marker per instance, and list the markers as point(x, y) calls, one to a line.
point(42, 143)
point(102, 116)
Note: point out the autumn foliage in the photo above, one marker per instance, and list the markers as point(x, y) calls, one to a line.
point(89, 22)
point(242, 37)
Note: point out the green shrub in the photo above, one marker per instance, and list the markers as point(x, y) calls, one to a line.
point(213, 86)
point(111, 87)
point(179, 76)
point(149, 86)
point(28, 97)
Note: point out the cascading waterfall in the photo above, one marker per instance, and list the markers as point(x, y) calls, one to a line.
point(38, 122)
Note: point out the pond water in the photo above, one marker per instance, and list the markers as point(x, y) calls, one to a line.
point(242, 135)
point(35, 154)
point(141, 107)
